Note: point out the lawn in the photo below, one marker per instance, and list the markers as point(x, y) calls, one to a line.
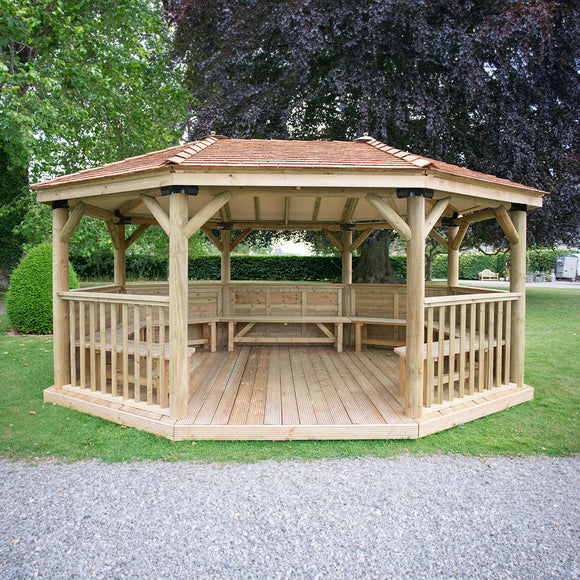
point(33, 430)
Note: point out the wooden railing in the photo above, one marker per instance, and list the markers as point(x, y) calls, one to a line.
point(467, 347)
point(119, 345)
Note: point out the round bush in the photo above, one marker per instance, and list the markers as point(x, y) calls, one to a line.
point(29, 300)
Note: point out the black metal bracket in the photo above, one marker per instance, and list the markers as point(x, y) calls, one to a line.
point(348, 227)
point(449, 222)
point(60, 203)
point(123, 219)
point(187, 189)
point(225, 226)
point(403, 192)
point(519, 207)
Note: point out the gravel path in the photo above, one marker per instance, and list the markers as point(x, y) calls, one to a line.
point(435, 517)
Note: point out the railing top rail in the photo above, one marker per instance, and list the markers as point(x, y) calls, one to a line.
point(106, 288)
point(470, 299)
point(116, 298)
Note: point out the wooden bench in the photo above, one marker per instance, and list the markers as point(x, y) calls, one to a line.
point(320, 321)
point(360, 322)
point(487, 274)
point(402, 353)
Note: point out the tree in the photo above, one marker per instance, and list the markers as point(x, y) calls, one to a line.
point(81, 84)
point(490, 84)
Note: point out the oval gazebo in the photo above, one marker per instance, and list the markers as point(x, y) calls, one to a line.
point(257, 360)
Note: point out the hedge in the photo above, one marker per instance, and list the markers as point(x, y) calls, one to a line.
point(29, 299)
point(539, 260)
point(298, 268)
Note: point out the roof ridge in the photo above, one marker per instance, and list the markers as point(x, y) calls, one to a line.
point(416, 160)
point(189, 150)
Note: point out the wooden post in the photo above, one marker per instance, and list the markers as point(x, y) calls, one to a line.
point(60, 314)
point(226, 268)
point(518, 284)
point(452, 258)
point(347, 276)
point(120, 276)
point(415, 306)
point(178, 367)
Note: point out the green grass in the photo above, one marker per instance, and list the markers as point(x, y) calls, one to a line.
point(546, 426)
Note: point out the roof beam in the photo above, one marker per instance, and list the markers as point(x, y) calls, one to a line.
point(387, 212)
point(74, 219)
point(206, 212)
point(435, 213)
point(349, 208)
point(129, 205)
point(257, 207)
point(334, 240)
point(439, 239)
point(213, 239)
point(240, 238)
point(506, 224)
point(158, 212)
point(316, 209)
point(455, 243)
point(135, 235)
point(362, 237)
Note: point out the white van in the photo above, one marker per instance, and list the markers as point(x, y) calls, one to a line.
point(568, 267)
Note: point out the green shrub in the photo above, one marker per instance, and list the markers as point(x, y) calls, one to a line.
point(29, 300)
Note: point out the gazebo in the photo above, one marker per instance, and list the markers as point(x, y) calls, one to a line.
point(259, 360)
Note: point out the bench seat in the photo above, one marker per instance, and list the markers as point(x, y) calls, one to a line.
point(361, 321)
point(251, 320)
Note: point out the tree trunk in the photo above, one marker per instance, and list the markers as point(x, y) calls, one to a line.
point(374, 265)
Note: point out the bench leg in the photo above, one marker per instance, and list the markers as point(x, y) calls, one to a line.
point(358, 336)
point(231, 330)
point(401, 375)
point(212, 336)
point(339, 337)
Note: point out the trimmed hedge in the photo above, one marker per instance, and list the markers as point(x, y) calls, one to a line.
point(295, 268)
point(539, 260)
point(29, 299)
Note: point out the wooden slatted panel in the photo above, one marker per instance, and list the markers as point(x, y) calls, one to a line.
point(499, 347)
point(508, 343)
point(162, 396)
point(73, 343)
point(429, 379)
point(103, 346)
point(441, 359)
point(481, 338)
point(490, 334)
point(472, 332)
point(125, 326)
point(462, 341)
point(93, 346)
point(114, 354)
point(452, 352)
point(149, 338)
point(137, 356)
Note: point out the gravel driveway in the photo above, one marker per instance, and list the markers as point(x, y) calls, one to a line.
point(435, 517)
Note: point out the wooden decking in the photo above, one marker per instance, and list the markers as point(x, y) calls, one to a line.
point(292, 392)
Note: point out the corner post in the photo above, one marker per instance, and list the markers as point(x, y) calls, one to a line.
point(347, 230)
point(119, 256)
point(452, 258)
point(415, 306)
point(518, 284)
point(60, 283)
point(226, 267)
point(178, 367)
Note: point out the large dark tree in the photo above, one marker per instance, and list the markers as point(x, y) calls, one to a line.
point(489, 84)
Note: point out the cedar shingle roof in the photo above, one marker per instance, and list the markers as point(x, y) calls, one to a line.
point(214, 152)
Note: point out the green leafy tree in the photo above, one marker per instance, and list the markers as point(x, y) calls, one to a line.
point(83, 83)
